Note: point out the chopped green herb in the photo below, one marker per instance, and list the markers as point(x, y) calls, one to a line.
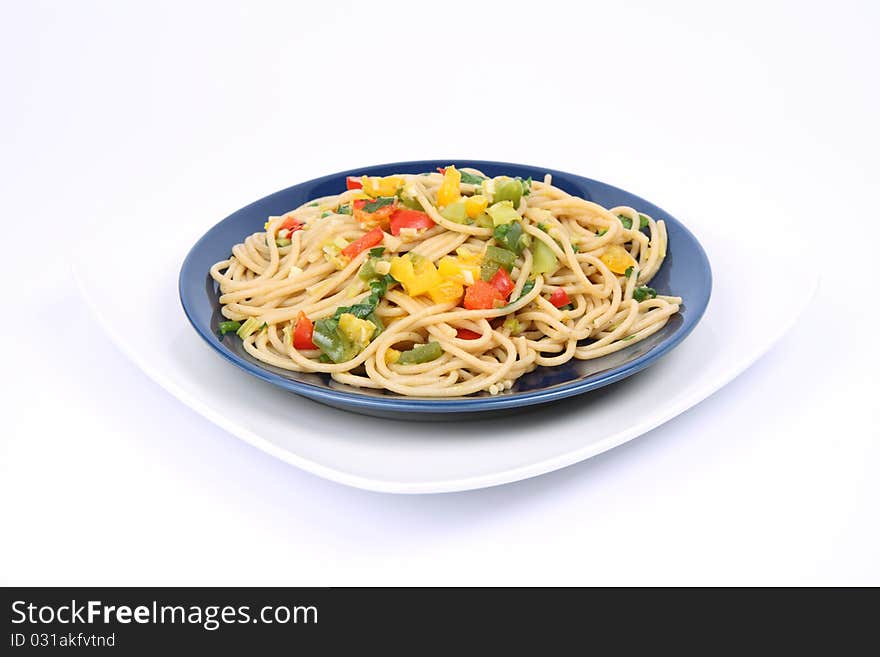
point(313, 205)
point(626, 221)
point(644, 292)
point(542, 227)
point(471, 179)
point(575, 247)
point(528, 287)
point(643, 221)
point(629, 271)
point(377, 252)
point(526, 186)
point(228, 327)
point(380, 202)
point(511, 236)
point(601, 232)
point(628, 338)
point(326, 213)
point(344, 209)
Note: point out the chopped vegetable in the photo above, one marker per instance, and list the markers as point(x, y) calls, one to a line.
point(508, 189)
point(475, 205)
point(228, 327)
point(416, 273)
point(465, 334)
point(483, 220)
point(644, 292)
point(471, 179)
point(371, 239)
point(333, 344)
point(459, 269)
point(481, 296)
point(502, 213)
point(446, 291)
point(367, 272)
point(559, 298)
point(643, 221)
point(601, 232)
point(511, 236)
point(501, 280)
point(249, 326)
point(391, 356)
point(450, 188)
point(358, 331)
point(526, 186)
point(377, 252)
point(344, 209)
point(544, 260)
point(387, 186)
point(528, 287)
point(284, 241)
point(302, 332)
point(456, 211)
point(423, 353)
point(512, 324)
point(626, 221)
point(290, 224)
point(325, 214)
point(617, 259)
point(410, 219)
point(496, 257)
point(353, 182)
point(376, 212)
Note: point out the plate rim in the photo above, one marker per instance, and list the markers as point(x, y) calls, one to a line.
point(354, 400)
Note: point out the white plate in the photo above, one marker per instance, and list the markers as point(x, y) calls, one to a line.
point(133, 291)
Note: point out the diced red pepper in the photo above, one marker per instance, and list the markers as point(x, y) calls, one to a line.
point(559, 298)
point(481, 296)
point(302, 332)
point(442, 170)
point(502, 282)
point(354, 182)
point(290, 224)
point(378, 217)
point(371, 239)
point(403, 218)
point(465, 334)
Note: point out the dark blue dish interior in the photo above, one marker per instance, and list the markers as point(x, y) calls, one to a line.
point(686, 273)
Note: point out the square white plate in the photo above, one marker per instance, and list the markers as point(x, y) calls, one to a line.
point(133, 291)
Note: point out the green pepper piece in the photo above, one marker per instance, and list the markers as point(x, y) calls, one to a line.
point(455, 211)
point(508, 189)
point(502, 213)
point(423, 353)
point(543, 258)
point(510, 236)
point(332, 343)
point(228, 327)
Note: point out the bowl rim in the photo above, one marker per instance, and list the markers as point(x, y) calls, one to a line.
point(353, 398)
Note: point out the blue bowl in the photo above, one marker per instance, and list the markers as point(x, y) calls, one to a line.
point(685, 273)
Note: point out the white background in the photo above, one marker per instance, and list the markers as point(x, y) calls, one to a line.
point(770, 108)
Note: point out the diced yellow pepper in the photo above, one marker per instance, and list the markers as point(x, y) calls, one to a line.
point(391, 356)
point(446, 292)
point(459, 270)
point(475, 205)
point(386, 186)
point(359, 331)
point(416, 273)
point(450, 188)
point(617, 259)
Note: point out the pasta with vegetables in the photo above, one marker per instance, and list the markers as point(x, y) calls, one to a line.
point(443, 284)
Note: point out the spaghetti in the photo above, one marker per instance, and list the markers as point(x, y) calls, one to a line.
point(444, 284)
